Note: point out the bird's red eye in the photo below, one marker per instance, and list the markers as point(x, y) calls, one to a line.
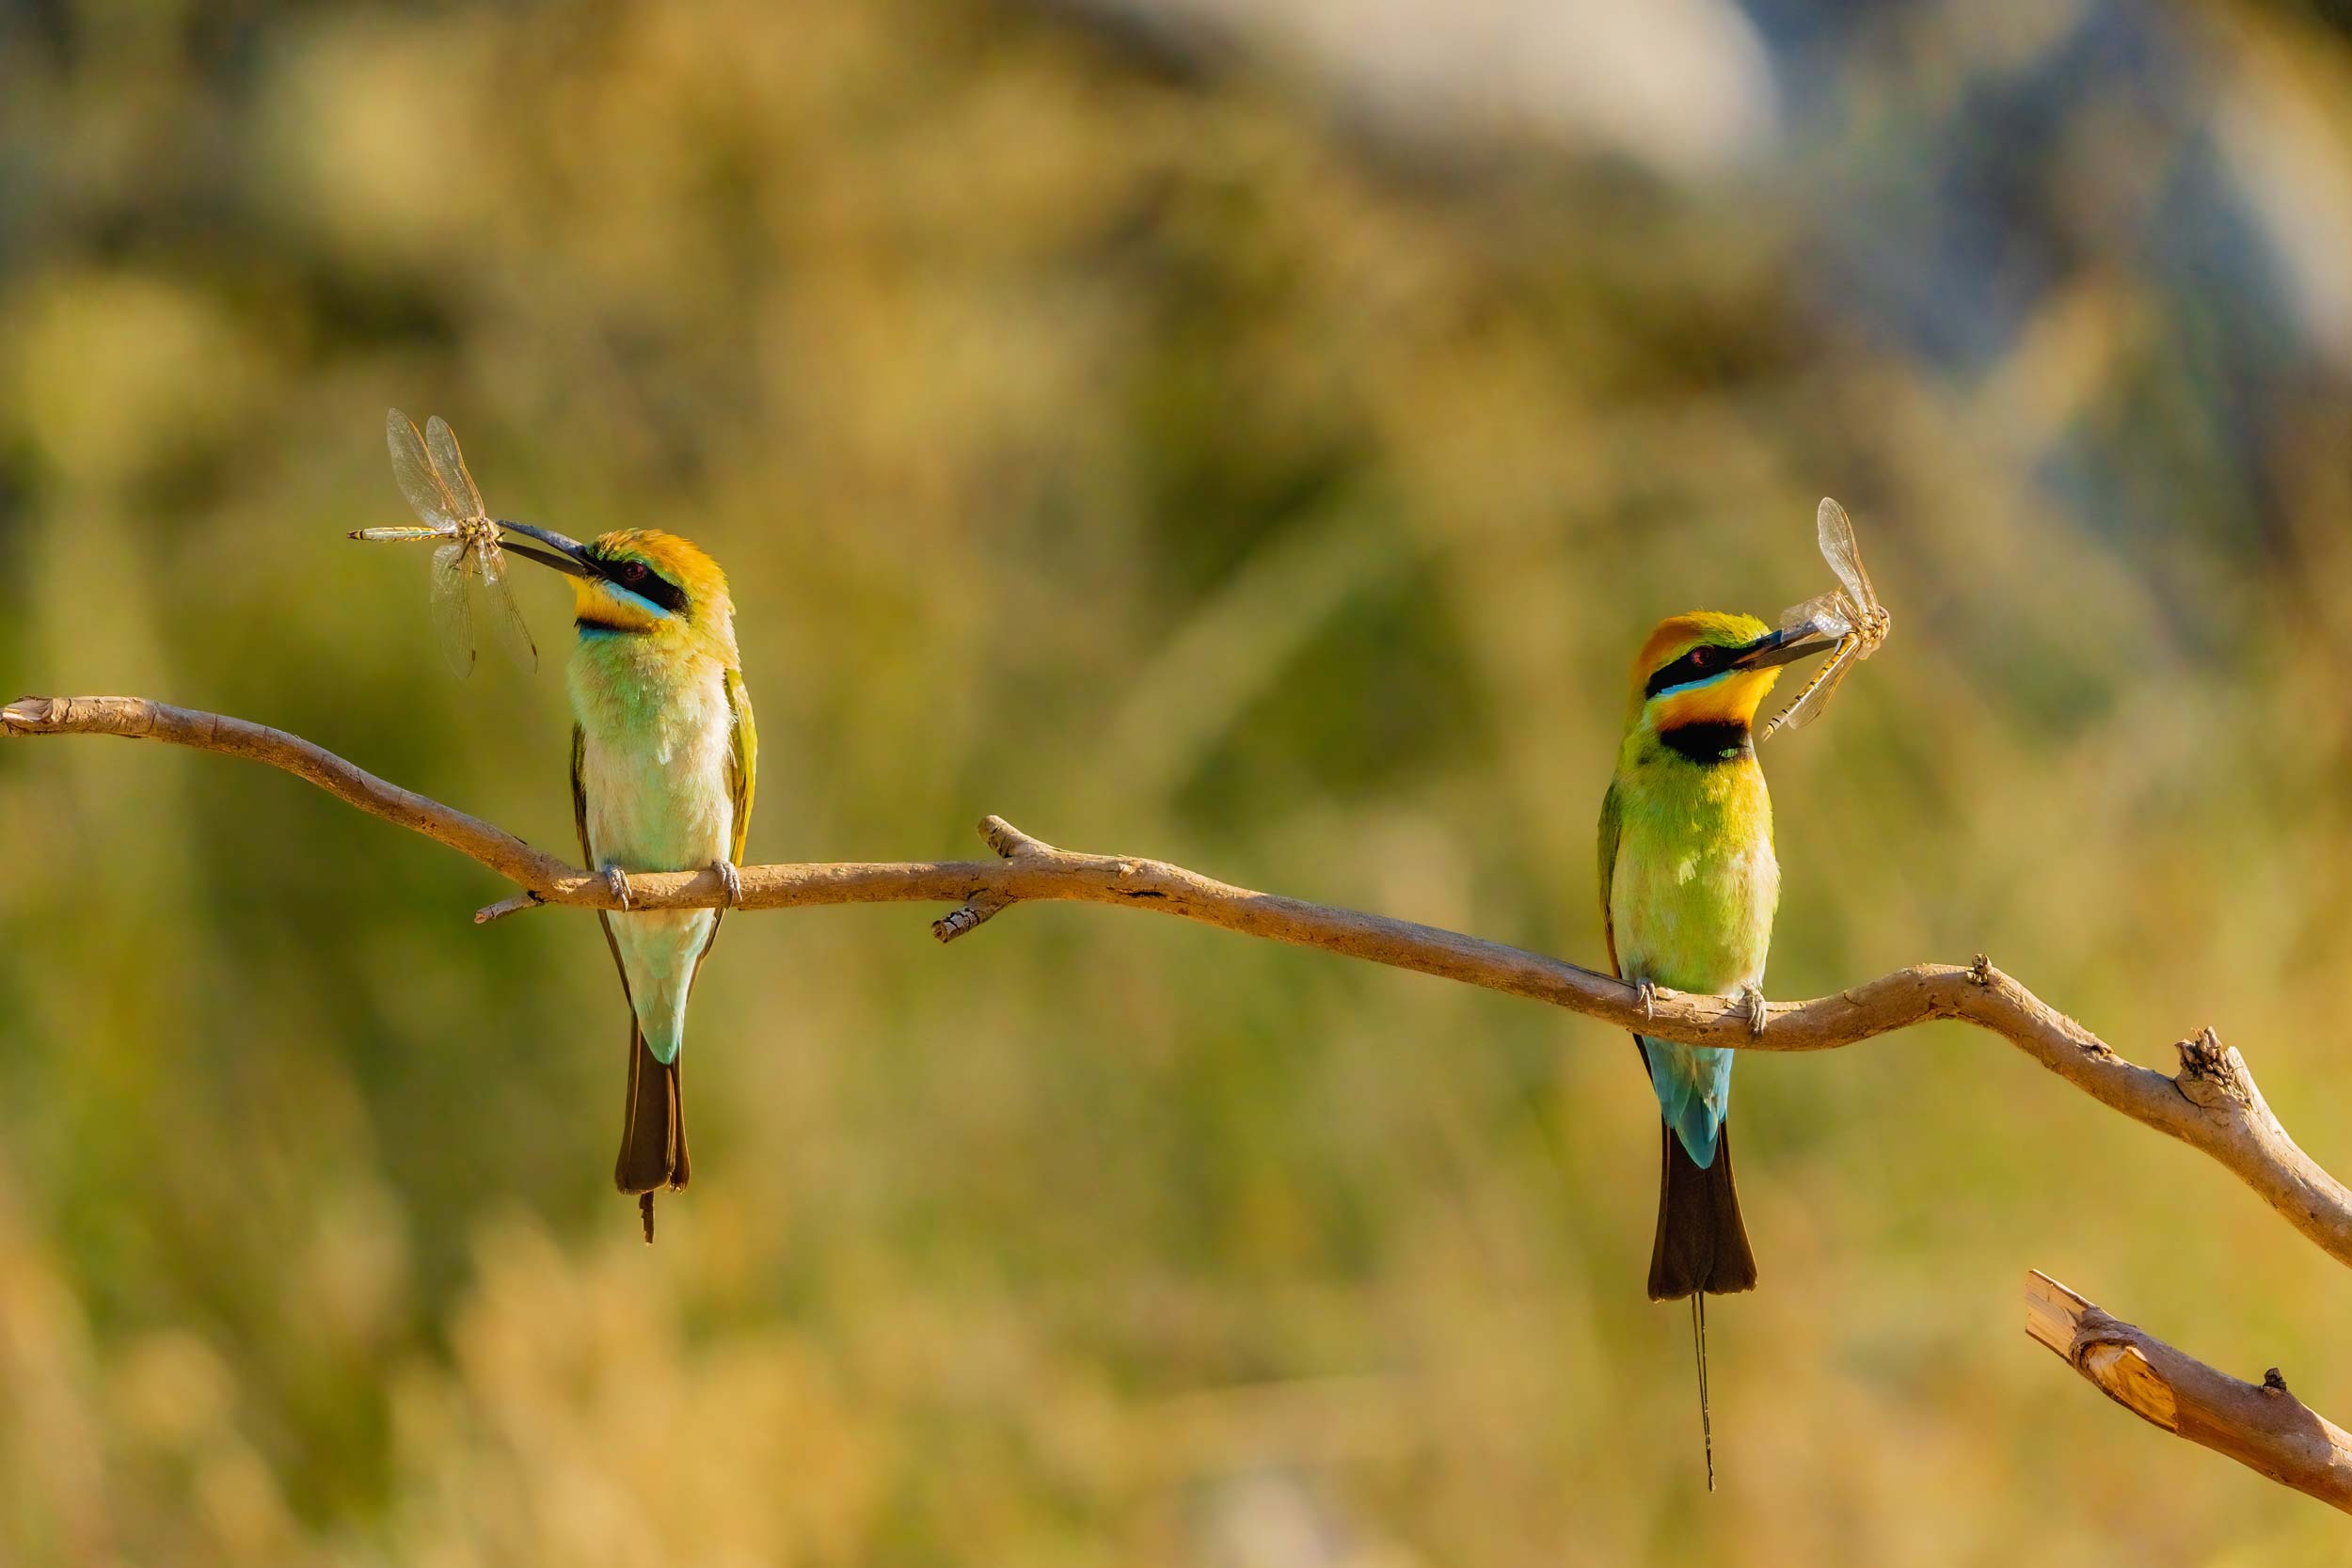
point(1703, 659)
point(634, 572)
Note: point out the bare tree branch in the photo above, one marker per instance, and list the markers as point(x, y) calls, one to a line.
point(2262, 1426)
point(2211, 1104)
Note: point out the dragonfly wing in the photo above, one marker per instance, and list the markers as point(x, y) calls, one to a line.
point(413, 467)
point(505, 615)
point(1829, 613)
point(453, 607)
point(1843, 554)
point(452, 466)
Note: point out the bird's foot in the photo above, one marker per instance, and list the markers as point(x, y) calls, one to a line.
point(1752, 1003)
point(618, 880)
point(733, 880)
point(1645, 992)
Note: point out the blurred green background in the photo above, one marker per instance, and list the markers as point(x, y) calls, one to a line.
point(1252, 435)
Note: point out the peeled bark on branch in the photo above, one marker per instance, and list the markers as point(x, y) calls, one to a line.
point(2261, 1425)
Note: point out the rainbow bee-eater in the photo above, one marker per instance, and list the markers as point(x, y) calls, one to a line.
point(1688, 886)
point(663, 759)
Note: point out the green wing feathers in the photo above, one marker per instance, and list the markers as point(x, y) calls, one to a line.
point(579, 800)
point(1612, 820)
point(742, 761)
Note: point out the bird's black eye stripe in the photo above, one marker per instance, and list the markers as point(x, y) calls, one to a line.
point(643, 582)
point(1700, 662)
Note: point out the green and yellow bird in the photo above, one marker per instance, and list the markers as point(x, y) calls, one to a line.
point(1688, 887)
point(663, 759)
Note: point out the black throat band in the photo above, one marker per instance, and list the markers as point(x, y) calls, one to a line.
point(1721, 740)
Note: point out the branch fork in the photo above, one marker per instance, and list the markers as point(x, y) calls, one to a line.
point(1012, 844)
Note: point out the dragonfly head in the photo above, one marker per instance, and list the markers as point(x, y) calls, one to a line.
point(1712, 669)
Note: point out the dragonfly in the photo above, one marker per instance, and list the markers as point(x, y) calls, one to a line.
point(470, 567)
point(1851, 612)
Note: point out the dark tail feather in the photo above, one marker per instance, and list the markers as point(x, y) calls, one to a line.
point(1701, 1245)
point(652, 1136)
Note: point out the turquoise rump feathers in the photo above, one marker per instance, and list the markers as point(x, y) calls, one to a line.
point(1694, 1087)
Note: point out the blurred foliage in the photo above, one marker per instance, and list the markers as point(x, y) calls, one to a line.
point(1144, 453)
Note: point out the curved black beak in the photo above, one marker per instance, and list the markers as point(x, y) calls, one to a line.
point(1785, 646)
point(565, 555)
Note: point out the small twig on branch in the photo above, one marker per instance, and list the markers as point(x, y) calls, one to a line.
point(2211, 1105)
point(2259, 1425)
point(1009, 842)
point(505, 907)
point(969, 915)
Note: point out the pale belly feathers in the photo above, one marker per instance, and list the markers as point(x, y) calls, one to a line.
point(653, 768)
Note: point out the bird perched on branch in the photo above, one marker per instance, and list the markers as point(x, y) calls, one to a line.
point(664, 758)
point(1688, 886)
